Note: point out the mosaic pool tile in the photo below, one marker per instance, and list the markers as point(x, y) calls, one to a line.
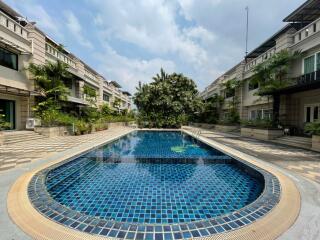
point(154, 185)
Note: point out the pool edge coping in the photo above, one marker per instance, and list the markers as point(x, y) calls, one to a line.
point(23, 213)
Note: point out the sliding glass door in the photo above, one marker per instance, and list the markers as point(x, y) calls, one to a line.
point(312, 112)
point(8, 112)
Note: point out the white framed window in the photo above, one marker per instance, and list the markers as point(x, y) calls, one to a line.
point(265, 114)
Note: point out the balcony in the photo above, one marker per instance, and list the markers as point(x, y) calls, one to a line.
point(260, 59)
point(307, 32)
point(309, 78)
point(14, 34)
point(302, 83)
point(13, 26)
point(91, 78)
point(58, 55)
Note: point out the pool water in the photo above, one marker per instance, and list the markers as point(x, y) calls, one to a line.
point(150, 177)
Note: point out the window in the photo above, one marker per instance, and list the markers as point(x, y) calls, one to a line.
point(230, 93)
point(252, 115)
point(299, 36)
point(307, 33)
point(265, 114)
point(106, 97)
point(259, 114)
point(314, 27)
point(8, 59)
point(309, 64)
point(68, 84)
point(315, 113)
point(253, 85)
point(318, 62)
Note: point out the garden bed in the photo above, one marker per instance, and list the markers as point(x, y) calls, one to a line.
point(261, 133)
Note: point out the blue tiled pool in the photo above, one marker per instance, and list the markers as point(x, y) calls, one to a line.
point(148, 183)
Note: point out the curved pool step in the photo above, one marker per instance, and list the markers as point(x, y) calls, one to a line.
point(64, 174)
point(75, 176)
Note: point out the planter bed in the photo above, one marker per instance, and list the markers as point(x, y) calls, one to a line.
point(262, 134)
point(225, 128)
point(316, 143)
point(54, 131)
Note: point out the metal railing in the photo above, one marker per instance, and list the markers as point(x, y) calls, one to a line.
point(309, 78)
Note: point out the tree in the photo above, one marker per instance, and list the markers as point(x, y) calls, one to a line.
point(230, 87)
point(90, 94)
point(272, 75)
point(167, 101)
point(210, 110)
point(49, 80)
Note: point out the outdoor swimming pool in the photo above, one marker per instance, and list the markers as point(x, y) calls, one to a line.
point(152, 183)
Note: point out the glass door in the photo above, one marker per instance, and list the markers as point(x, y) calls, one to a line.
point(312, 112)
point(8, 112)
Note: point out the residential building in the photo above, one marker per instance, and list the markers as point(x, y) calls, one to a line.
point(22, 43)
point(299, 103)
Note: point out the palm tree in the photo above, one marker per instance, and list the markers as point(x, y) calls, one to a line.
point(50, 78)
point(162, 77)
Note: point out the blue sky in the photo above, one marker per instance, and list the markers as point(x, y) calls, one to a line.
point(129, 41)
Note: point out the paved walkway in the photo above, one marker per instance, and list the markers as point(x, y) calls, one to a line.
point(304, 162)
point(13, 155)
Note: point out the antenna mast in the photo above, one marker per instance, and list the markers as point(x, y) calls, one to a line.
point(247, 30)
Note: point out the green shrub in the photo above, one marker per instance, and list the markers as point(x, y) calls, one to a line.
point(258, 123)
point(100, 124)
point(313, 128)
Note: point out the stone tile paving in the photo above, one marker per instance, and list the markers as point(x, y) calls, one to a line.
point(304, 162)
point(23, 152)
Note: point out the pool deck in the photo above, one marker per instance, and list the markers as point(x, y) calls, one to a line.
point(301, 161)
point(306, 227)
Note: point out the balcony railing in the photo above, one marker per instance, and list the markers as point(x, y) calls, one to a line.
point(260, 59)
point(309, 78)
point(59, 55)
point(13, 26)
point(307, 31)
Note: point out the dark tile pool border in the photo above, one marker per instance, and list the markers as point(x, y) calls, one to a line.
point(48, 207)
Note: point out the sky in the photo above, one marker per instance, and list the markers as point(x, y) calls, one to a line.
point(130, 40)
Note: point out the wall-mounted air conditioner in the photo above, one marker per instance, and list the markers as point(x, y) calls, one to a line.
point(32, 123)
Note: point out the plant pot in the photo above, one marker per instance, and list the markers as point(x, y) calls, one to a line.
point(316, 143)
point(262, 134)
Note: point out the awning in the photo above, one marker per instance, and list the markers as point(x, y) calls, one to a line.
point(298, 88)
point(307, 12)
point(16, 91)
point(271, 42)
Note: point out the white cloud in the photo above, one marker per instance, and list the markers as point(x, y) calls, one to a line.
point(128, 71)
point(150, 25)
point(131, 40)
point(75, 28)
